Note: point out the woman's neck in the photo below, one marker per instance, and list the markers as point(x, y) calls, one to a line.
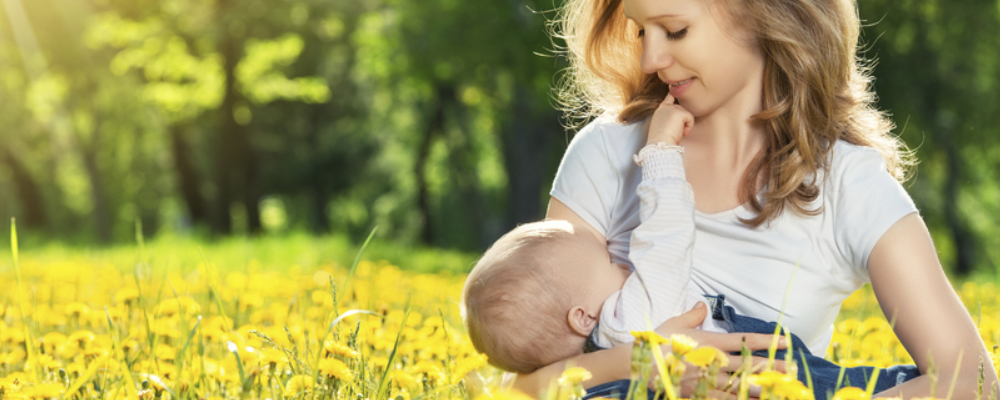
point(728, 137)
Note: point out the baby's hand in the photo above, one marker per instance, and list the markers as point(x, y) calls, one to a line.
point(670, 123)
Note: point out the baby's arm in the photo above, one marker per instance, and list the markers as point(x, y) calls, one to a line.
point(660, 248)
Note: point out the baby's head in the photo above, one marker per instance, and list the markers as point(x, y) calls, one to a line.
point(536, 294)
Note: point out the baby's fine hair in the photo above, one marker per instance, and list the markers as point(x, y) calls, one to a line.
point(514, 309)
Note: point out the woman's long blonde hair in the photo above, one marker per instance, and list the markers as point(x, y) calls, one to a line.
point(817, 88)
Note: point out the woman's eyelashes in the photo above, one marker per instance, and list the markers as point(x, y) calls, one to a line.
point(670, 35)
point(677, 35)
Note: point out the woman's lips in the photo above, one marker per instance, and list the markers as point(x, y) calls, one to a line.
point(679, 88)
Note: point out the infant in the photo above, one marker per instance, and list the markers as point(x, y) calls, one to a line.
point(546, 290)
point(543, 289)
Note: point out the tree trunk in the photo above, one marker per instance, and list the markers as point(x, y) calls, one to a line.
point(461, 157)
point(187, 176)
point(102, 216)
point(965, 246)
point(30, 195)
point(420, 169)
point(527, 145)
point(232, 144)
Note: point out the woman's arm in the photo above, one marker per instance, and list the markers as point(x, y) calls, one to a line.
point(930, 320)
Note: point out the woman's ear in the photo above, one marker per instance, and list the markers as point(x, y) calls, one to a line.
point(580, 321)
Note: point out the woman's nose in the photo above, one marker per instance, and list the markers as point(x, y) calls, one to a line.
point(655, 56)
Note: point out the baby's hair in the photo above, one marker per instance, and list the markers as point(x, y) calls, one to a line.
point(514, 309)
point(817, 89)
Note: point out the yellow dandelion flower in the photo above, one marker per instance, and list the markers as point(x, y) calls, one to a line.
point(126, 295)
point(574, 376)
point(705, 356)
point(12, 336)
point(76, 367)
point(770, 379)
point(298, 384)
point(77, 309)
point(332, 347)
point(682, 344)
point(45, 391)
point(791, 389)
point(46, 361)
point(173, 306)
point(510, 394)
point(14, 357)
point(322, 297)
point(851, 393)
point(648, 336)
point(272, 356)
point(434, 373)
point(250, 300)
point(52, 340)
point(403, 379)
point(400, 394)
point(467, 365)
point(82, 338)
point(146, 394)
point(379, 362)
point(9, 385)
point(335, 368)
point(165, 352)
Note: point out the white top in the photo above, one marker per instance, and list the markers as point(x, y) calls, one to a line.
point(597, 179)
point(660, 253)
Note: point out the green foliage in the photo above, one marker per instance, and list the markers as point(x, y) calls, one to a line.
point(432, 119)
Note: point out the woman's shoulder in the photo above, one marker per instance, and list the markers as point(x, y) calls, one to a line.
point(610, 135)
point(852, 163)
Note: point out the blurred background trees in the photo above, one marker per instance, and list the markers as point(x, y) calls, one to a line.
point(432, 119)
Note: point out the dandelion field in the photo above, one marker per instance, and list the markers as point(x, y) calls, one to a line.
point(285, 319)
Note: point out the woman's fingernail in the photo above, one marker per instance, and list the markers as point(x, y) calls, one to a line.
point(783, 342)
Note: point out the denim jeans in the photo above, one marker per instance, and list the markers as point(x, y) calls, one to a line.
point(824, 373)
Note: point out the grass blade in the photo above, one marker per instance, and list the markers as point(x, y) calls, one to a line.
point(382, 387)
point(130, 392)
point(357, 259)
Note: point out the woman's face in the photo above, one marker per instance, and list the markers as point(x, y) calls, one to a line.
point(707, 67)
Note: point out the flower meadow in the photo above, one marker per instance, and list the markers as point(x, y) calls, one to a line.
point(78, 325)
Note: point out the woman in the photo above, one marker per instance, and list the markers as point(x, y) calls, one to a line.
point(794, 172)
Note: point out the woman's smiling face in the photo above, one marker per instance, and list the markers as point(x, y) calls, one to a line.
point(707, 67)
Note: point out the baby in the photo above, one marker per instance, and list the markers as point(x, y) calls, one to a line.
point(545, 288)
point(547, 291)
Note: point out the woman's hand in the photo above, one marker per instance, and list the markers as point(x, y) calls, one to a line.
point(727, 387)
point(670, 123)
point(726, 383)
point(687, 324)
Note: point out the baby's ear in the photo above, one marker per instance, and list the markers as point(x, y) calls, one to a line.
point(580, 321)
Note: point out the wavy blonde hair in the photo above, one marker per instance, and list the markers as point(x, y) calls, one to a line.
point(817, 89)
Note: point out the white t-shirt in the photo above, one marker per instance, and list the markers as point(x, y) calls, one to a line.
point(860, 200)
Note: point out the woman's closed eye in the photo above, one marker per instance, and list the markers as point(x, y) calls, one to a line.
point(670, 35)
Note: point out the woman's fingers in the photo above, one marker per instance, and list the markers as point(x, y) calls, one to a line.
point(730, 342)
point(687, 321)
point(715, 394)
point(759, 364)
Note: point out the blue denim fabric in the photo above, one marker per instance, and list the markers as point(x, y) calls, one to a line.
point(824, 373)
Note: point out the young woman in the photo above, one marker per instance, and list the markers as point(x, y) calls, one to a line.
point(794, 172)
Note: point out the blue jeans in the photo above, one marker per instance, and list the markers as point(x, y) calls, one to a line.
point(824, 373)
